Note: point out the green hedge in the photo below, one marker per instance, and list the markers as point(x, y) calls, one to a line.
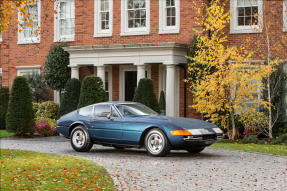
point(4, 98)
point(20, 117)
point(71, 97)
point(145, 94)
point(162, 102)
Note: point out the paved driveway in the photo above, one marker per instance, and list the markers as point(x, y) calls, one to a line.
point(213, 169)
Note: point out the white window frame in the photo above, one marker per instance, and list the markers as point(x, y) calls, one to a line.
point(21, 70)
point(1, 77)
point(1, 37)
point(57, 36)
point(163, 28)
point(234, 28)
point(284, 15)
point(125, 31)
point(29, 40)
point(98, 32)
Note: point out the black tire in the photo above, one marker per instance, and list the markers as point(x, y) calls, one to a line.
point(195, 150)
point(159, 134)
point(86, 144)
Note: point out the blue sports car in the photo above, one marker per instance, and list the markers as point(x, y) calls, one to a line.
point(129, 124)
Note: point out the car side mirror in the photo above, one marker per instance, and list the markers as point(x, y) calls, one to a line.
point(109, 116)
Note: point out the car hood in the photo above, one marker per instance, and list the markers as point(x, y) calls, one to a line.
point(186, 123)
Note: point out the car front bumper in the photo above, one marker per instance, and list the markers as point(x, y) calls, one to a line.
point(180, 142)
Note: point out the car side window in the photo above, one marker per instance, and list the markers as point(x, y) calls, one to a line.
point(114, 114)
point(86, 111)
point(102, 110)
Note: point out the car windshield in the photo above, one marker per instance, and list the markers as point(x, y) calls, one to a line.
point(133, 110)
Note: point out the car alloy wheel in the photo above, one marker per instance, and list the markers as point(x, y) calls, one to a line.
point(80, 139)
point(156, 143)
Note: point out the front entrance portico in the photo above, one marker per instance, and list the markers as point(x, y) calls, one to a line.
point(138, 60)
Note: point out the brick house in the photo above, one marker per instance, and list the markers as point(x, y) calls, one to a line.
point(122, 41)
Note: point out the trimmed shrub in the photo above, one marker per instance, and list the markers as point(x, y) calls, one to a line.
point(145, 94)
point(44, 129)
point(250, 139)
point(20, 117)
point(71, 97)
point(47, 109)
point(162, 103)
point(4, 98)
point(57, 72)
point(92, 91)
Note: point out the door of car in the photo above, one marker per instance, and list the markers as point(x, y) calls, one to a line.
point(105, 128)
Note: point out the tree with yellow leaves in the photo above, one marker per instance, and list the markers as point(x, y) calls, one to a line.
point(9, 7)
point(224, 80)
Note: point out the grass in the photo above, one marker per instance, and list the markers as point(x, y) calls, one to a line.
point(4, 133)
point(26, 170)
point(261, 148)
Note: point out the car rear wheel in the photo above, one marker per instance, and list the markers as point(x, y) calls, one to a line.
point(195, 150)
point(156, 143)
point(80, 140)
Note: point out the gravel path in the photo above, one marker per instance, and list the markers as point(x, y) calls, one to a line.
point(213, 169)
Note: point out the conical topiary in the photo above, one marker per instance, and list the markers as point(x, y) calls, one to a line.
point(162, 102)
point(71, 97)
point(145, 94)
point(92, 91)
point(4, 98)
point(20, 117)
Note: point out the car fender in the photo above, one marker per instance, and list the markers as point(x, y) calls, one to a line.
point(75, 124)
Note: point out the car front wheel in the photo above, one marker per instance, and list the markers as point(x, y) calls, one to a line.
point(156, 143)
point(195, 150)
point(80, 140)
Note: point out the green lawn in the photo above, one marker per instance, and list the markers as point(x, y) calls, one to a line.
point(4, 133)
point(26, 170)
point(261, 148)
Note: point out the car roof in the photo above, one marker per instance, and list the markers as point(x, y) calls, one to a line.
point(117, 102)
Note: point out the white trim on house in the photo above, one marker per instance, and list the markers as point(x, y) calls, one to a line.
point(122, 70)
point(163, 28)
point(27, 70)
point(109, 69)
point(98, 31)
point(234, 28)
point(125, 30)
point(284, 15)
point(1, 37)
point(57, 28)
point(29, 40)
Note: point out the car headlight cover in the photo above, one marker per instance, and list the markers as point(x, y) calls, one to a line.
point(180, 132)
point(195, 131)
point(217, 130)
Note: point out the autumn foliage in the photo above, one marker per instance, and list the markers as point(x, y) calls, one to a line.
point(225, 81)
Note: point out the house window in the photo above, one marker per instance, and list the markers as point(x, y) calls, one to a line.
point(246, 16)
point(103, 18)
point(64, 21)
point(0, 77)
point(29, 28)
point(285, 16)
point(27, 71)
point(169, 16)
point(135, 17)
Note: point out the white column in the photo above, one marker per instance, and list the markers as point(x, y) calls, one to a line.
point(170, 91)
point(140, 72)
point(101, 73)
point(75, 72)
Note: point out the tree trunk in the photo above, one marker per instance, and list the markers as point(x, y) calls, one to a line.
point(269, 88)
point(233, 126)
